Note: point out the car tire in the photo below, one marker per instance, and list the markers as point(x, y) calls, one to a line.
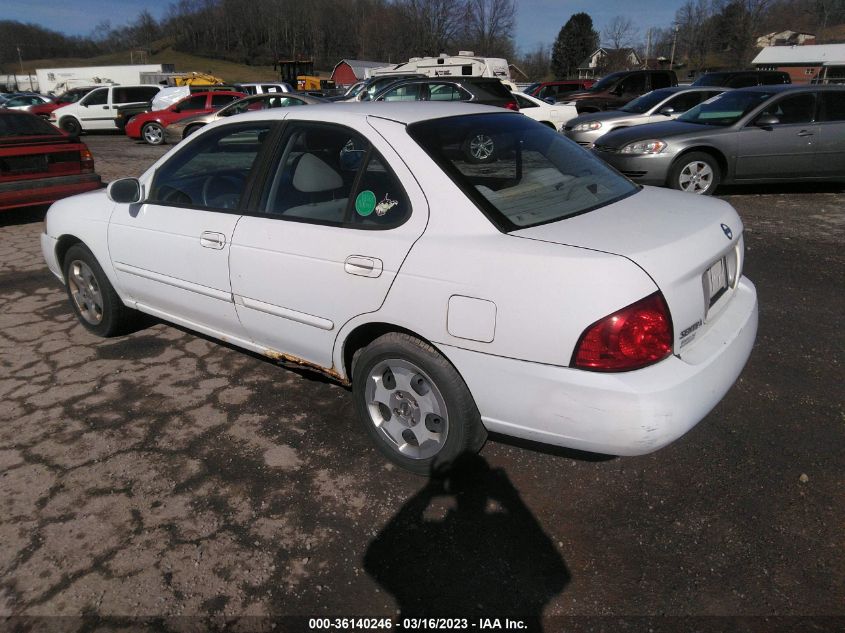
point(414, 405)
point(153, 133)
point(71, 126)
point(92, 297)
point(480, 148)
point(190, 130)
point(695, 172)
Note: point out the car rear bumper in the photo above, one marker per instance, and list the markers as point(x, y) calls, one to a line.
point(629, 413)
point(22, 193)
point(645, 169)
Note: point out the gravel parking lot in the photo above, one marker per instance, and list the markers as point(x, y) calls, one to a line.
point(165, 474)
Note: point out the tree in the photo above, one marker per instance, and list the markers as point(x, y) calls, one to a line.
point(620, 32)
point(489, 26)
point(576, 40)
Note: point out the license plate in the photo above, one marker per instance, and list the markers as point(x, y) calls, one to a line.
point(716, 279)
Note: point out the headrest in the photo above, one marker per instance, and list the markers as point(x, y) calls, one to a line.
point(313, 175)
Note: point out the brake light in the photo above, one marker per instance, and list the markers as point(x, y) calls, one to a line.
point(633, 337)
point(86, 160)
point(512, 105)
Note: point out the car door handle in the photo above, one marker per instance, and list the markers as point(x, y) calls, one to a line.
point(210, 239)
point(805, 133)
point(363, 266)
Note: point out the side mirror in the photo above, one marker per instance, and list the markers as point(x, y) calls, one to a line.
point(667, 111)
point(766, 120)
point(125, 191)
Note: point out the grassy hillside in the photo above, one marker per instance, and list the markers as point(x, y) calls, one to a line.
point(184, 62)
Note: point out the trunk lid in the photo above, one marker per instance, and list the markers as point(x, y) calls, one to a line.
point(680, 240)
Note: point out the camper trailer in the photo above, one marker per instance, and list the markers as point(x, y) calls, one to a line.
point(464, 64)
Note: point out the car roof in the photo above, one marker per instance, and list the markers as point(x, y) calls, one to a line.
point(405, 112)
point(789, 88)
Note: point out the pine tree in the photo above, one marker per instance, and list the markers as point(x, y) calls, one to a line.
point(576, 40)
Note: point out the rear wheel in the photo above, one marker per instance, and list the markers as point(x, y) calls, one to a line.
point(92, 296)
point(71, 126)
point(696, 172)
point(153, 133)
point(480, 148)
point(414, 404)
point(190, 130)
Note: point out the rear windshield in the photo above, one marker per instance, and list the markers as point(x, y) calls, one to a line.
point(25, 125)
point(494, 88)
point(647, 101)
point(518, 172)
point(726, 108)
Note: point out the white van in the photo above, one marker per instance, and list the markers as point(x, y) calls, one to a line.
point(464, 64)
point(263, 88)
point(98, 109)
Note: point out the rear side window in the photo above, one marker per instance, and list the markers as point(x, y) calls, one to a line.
point(218, 100)
point(194, 103)
point(331, 175)
point(446, 92)
point(832, 106)
point(687, 100)
point(635, 83)
point(517, 172)
point(768, 79)
point(134, 95)
point(495, 88)
point(408, 92)
point(742, 81)
point(660, 80)
point(796, 109)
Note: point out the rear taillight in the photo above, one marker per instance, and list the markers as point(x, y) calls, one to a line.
point(512, 105)
point(633, 337)
point(86, 160)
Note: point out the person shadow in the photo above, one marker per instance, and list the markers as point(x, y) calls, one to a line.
point(467, 546)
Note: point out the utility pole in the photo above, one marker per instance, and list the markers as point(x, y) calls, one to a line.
point(648, 48)
point(674, 42)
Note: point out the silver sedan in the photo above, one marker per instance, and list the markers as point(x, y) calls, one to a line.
point(653, 107)
point(760, 134)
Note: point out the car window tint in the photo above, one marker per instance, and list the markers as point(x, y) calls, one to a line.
point(194, 103)
point(685, 101)
point(832, 106)
point(796, 109)
point(660, 80)
point(743, 81)
point(634, 83)
point(212, 171)
point(319, 179)
point(519, 173)
point(219, 100)
point(97, 97)
point(408, 92)
point(20, 124)
point(523, 102)
point(286, 102)
point(445, 92)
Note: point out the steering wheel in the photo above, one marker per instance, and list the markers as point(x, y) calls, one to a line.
point(566, 189)
point(223, 189)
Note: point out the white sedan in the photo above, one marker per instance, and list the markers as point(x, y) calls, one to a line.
point(554, 115)
point(541, 295)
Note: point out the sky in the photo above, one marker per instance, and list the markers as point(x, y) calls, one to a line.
point(538, 21)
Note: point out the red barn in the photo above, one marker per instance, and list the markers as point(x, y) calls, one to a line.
point(350, 71)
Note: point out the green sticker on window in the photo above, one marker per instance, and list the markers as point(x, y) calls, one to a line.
point(365, 203)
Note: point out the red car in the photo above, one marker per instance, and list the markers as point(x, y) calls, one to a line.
point(39, 163)
point(71, 96)
point(149, 126)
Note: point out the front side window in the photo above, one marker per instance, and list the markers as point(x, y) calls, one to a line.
point(97, 97)
point(445, 92)
point(643, 104)
point(634, 83)
point(518, 172)
point(796, 109)
point(660, 80)
point(332, 175)
point(211, 172)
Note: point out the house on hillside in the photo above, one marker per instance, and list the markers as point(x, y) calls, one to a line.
point(349, 71)
point(803, 63)
point(604, 60)
point(786, 38)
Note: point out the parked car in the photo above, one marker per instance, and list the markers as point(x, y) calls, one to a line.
point(657, 105)
point(71, 96)
point(374, 85)
point(454, 299)
point(554, 115)
point(264, 87)
point(559, 89)
point(150, 126)
point(39, 163)
point(98, 109)
point(760, 134)
point(25, 101)
point(617, 89)
point(480, 90)
point(169, 95)
point(743, 78)
point(183, 128)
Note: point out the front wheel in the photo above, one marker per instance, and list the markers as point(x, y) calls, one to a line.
point(92, 297)
point(696, 172)
point(71, 126)
point(414, 404)
point(153, 133)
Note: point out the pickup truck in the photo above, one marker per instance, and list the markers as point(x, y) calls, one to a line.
point(99, 108)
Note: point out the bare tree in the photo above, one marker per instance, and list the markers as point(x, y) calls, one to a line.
point(620, 32)
point(489, 26)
